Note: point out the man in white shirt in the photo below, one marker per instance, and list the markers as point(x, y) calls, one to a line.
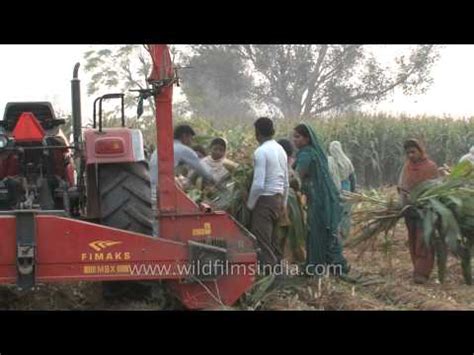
point(269, 192)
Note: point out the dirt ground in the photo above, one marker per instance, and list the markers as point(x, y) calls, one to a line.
point(384, 283)
point(382, 275)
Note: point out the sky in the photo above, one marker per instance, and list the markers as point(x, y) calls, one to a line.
point(451, 93)
point(44, 72)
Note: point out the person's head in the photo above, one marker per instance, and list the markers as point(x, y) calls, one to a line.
point(287, 146)
point(343, 162)
point(301, 136)
point(185, 134)
point(414, 150)
point(218, 148)
point(200, 150)
point(335, 148)
point(264, 129)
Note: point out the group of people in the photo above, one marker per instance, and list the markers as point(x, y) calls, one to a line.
point(319, 177)
point(212, 168)
point(270, 188)
point(277, 169)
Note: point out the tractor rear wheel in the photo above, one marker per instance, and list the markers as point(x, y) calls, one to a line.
point(125, 203)
point(125, 197)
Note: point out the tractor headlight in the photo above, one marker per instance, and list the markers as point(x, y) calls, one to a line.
point(3, 141)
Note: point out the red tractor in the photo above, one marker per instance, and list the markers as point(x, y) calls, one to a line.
point(93, 220)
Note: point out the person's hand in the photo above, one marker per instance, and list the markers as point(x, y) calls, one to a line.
point(444, 170)
point(284, 220)
point(303, 199)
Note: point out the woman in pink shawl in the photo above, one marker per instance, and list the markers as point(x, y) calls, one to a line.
point(418, 168)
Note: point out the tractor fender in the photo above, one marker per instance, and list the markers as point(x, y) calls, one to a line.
point(126, 146)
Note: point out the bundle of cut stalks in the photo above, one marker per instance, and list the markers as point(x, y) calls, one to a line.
point(444, 207)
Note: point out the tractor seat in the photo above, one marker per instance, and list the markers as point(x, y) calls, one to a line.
point(43, 111)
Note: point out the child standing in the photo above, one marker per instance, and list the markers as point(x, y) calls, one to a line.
point(217, 163)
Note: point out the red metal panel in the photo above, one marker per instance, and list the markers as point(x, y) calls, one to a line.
point(162, 70)
point(7, 249)
point(7, 240)
point(202, 226)
point(66, 248)
point(63, 240)
point(72, 250)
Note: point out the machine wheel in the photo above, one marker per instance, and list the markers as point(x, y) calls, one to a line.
point(125, 203)
point(125, 197)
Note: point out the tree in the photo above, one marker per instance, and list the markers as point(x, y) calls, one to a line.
point(216, 85)
point(304, 80)
point(294, 81)
point(120, 69)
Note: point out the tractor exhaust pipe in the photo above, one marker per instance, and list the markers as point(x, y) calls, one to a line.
point(76, 107)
